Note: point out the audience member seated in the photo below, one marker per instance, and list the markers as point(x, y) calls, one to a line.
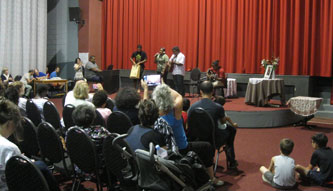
point(40, 98)
point(170, 104)
point(99, 100)
point(6, 77)
point(222, 136)
point(320, 169)
point(140, 135)
point(83, 116)
point(281, 171)
point(2, 89)
point(10, 124)
point(22, 101)
point(39, 75)
point(78, 67)
point(92, 70)
point(127, 100)
point(12, 94)
point(186, 106)
point(221, 100)
point(80, 95)
point(27, 80)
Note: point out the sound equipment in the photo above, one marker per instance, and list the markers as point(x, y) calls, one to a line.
point(75, 14)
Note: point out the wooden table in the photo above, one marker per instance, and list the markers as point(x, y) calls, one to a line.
point(260, 90)
point(50, 81)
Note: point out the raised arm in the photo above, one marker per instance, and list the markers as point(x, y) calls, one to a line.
point(178, 103)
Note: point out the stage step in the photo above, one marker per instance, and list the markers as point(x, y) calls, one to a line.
point(321, 122)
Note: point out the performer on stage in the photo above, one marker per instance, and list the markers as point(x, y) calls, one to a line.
point(139, 57)
point(176, 65)
point(161, 59)
point(216, 75)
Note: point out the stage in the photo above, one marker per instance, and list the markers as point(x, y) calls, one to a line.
point(250, 116)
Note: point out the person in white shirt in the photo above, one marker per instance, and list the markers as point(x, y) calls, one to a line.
point(40, 99)
point(176, 65)
point(81, 94)
point(281, 171)
point(9, 120)
point(27, 80)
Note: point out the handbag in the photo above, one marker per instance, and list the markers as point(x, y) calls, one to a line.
point(135, 72)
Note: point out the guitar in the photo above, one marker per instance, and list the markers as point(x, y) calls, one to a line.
point(171, 64)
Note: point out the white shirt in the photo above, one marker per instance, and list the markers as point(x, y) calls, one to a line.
point(178, 69)
point(22, 103)
point(78, 102)
point(39, 102)
point(284, 171)
point(25, 78)
point(70, 98)
point(7, 150)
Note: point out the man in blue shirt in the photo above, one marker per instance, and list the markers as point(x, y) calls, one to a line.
point(55, 73)
point(39, 75)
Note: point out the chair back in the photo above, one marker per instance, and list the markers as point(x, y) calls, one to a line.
point(29, 145)
point(120, 160)
point(51, 115)
point(81, 150)
point(22, 174)
point(195, 74)
point(67, 116)
point(201, 126)
point(33, 113)
point(49, 142)
point(99, 120)
point(118, 122)
point(110, 104)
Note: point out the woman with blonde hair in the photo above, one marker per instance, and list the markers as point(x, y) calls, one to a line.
point(81, 94)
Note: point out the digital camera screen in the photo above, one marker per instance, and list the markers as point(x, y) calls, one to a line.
point(152, 80)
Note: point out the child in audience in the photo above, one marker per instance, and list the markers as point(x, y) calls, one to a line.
point(99, 100)
point(221, 100)
point(186, 105)
point(320, 169)
point(281, 171)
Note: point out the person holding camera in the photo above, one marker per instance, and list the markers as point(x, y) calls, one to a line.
point(161, 59)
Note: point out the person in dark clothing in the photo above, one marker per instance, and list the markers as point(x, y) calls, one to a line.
point(139, 57)
point(320, 169)
point(139, 136)
point(127, 100)
point(224, 135)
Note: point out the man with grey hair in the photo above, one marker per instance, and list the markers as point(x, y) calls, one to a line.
point(177, 67)
point(170, 105)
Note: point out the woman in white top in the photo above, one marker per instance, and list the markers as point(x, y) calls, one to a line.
point(9, 119)
point(78, 67)
point(81, 94)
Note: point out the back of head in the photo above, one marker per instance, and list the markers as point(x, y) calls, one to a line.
point(84, 115)
point(186, 104)
point(320, 139)
point(162, 97)
point(9, 112)
point(176, 49)
point(12, 94)
point(81, 90)
point(42, 90)
point(286, 146)
point(127, 98)
point(148, 112)
point(220, 100)
point(100, 98)
point(206, 87)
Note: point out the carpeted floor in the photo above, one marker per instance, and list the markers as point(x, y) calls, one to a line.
point(255, 147)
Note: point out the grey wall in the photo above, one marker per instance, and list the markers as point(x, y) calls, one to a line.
point(62, 37)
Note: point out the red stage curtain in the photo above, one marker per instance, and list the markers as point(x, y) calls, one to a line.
point(239, 33)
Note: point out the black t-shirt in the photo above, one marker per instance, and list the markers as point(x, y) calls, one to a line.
point(139, 56)
point(215, 110)
point(323, 158)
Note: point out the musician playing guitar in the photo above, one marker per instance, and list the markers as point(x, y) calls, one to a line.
point(176, 65)
point(216, 75)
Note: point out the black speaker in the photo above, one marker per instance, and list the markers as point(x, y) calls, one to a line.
point(74, 14)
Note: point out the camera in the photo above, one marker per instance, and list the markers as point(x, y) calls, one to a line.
point(152, 80)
